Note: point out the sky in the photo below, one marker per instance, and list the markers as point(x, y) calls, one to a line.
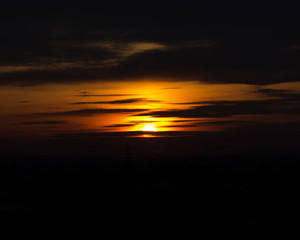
point(79, 69)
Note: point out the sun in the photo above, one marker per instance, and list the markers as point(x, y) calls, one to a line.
point(149, 128)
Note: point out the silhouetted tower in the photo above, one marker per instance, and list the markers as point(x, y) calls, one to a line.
point(128, 157)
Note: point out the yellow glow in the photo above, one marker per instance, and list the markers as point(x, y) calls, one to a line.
point(149, 128)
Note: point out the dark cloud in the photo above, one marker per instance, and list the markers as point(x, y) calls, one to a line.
point(105, 95)
point(233, 123)
point(88, 112)
point(287, 103)
point(42, 123)
point(183, 121)
point(143, 121)
point(95, 134)
point(87, 41)
point(119, 125)
point(123, 101)
point(278, 96)
point(227, 62)
point(218, 110)
point(279, 93)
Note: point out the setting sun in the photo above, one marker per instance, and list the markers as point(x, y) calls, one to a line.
point(149, 128)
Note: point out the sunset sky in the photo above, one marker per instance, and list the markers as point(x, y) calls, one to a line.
point(184, 67)
point(149, 119)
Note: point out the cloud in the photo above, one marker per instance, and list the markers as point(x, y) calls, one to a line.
point(232, 123)
point(285, 103)
point(113, 53)
point(280, 94)
point(105, 95)
point(46, 66)
point(119, 125)
point(42, 123)
point(65, 49)
point(121, 49)
point(123, 101)
point(276, 95)
point(88, 112)
point(142, 121)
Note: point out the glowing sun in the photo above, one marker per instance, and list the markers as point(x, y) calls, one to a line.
point(149, 128)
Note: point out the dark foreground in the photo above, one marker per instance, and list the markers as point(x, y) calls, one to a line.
point(246, 198)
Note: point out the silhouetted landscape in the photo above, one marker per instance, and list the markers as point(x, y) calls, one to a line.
point(231, 196)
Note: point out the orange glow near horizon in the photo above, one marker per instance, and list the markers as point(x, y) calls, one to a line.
point(117, 106)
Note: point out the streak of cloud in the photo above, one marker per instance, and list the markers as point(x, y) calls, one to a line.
point(88, 112)
point(123, 101)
